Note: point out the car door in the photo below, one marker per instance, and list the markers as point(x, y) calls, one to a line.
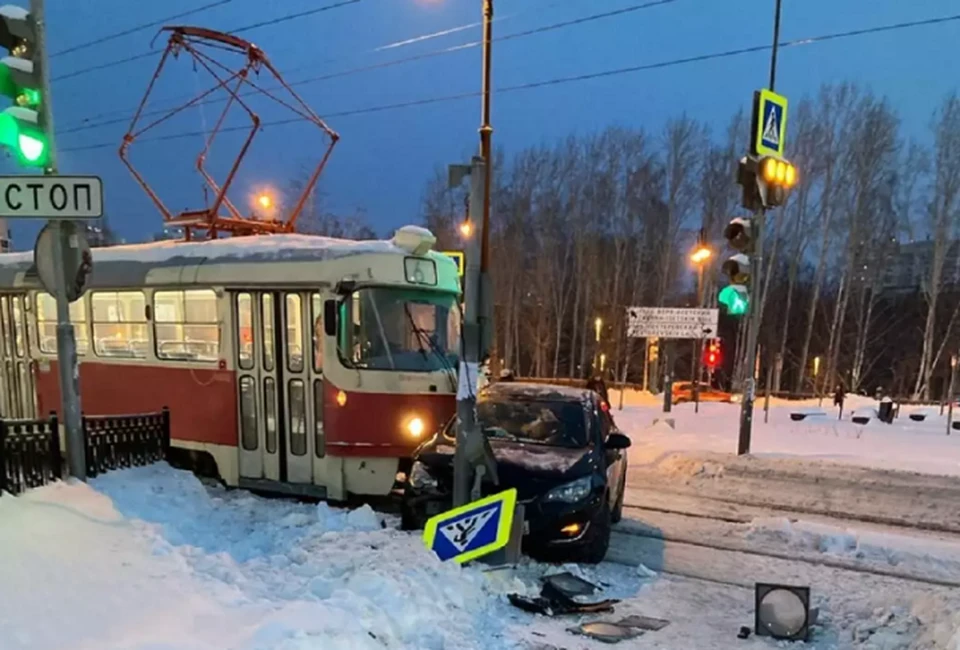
point(616, 464)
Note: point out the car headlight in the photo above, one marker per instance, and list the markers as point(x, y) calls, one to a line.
point(570, 492)
point(420, 477)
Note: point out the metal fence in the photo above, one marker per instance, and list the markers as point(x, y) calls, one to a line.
point(29, 454)
point(119, 441)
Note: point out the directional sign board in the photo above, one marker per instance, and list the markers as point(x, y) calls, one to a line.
point(51, 197)
point(473, 530)
point(670, 323)
point(769, 123)
point(456, 256)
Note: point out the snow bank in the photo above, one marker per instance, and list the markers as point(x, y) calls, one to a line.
point(923, 555)
point(150, 558)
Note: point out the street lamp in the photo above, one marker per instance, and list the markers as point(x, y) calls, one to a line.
point(466, 229)
point(700, 255)
point(265, 201)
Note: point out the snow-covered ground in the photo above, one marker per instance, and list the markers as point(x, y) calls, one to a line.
point(904, 445)
point(153, 559)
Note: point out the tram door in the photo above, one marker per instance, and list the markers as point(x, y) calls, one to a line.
point(276, 375)
point(17, 391)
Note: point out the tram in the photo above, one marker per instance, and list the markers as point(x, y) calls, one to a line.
point(290, 363)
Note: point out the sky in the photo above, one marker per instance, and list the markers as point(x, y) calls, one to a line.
point(384, 157)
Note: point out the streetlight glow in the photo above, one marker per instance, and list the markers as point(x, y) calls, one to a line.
point(466, 229)
point(264, 201)
point(700, 255)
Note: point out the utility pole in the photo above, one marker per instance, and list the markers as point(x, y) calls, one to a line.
point(472, 459)
point(756, 271)
point(950, 392)
point(66, 341)
point(486, 153)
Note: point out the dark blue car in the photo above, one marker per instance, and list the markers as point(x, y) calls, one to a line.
point(560, 449)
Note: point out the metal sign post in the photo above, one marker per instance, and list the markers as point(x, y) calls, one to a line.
point(66, 343)
point(671, 323)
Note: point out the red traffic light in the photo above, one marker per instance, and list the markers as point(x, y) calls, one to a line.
point(713, 355)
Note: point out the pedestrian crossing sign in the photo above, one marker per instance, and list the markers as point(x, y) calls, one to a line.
point(458, 257)
point(769, 123)
point(474, 530)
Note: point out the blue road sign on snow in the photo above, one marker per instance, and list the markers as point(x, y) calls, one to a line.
point(473, 530)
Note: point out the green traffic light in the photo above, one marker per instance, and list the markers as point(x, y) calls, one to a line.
point(735, 299)
point(30, 147)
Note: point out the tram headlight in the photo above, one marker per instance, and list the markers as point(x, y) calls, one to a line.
point(415, 427)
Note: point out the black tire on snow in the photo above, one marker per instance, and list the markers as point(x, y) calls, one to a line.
point(598, 541)
point(409, 520)
point(617, 513)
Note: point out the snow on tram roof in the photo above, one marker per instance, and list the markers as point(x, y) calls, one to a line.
point(264, 247)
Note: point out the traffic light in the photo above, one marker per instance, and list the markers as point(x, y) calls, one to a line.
point(766, 181)
point(21, 126)
point(739, 234)
point(734, 297)
point(713, 356)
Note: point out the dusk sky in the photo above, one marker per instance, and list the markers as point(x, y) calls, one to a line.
point(384, 158)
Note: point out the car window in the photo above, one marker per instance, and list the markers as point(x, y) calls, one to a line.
point(554, 423)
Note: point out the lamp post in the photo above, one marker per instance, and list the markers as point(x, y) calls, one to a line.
point(699, 257)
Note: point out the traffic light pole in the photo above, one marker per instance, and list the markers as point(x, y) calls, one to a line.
point(753, 331)
point(66, 341)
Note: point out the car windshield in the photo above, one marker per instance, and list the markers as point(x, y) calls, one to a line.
point(400, 329)
point(554, 423)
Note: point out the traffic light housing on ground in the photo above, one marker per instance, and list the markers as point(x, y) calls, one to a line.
point(766, 181)
point(21, 126)
point(713, 355)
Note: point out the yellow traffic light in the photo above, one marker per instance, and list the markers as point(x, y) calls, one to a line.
point(779, 172)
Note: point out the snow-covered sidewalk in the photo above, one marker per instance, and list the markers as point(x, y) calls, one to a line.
point(152, 559)
point(905, 445)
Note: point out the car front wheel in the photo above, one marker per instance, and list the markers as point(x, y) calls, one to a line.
point(617, 513)
point(598, 537)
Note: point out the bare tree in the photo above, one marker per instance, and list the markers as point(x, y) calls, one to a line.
point(943, 223)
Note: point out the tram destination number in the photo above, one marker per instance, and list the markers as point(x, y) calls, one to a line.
point(51, 197)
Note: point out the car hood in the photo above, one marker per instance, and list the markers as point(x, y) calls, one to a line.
point(528, 467)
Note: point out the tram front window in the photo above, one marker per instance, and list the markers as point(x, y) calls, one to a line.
point(400, 329)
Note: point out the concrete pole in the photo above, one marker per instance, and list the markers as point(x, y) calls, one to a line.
point(753, 331)
point(66, 342)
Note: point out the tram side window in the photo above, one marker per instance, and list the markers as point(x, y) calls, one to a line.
point(186, 325)
point(120, 324)
point(317, 314)
point(245, 331)
point(47, 324)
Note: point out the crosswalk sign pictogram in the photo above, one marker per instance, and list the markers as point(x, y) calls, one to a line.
point(770, 124)
point(458, 257)
point(473, 530)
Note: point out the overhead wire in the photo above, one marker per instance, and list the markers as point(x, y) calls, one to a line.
point(567, 79)
point(392, 45)
point(139, 28)
point(395, 62)
point(264, 23)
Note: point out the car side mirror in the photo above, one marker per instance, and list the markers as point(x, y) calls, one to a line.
point(330, 317)
point(617, 441)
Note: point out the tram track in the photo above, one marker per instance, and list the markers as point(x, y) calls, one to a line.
point(779, 509)
point(623, 535)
